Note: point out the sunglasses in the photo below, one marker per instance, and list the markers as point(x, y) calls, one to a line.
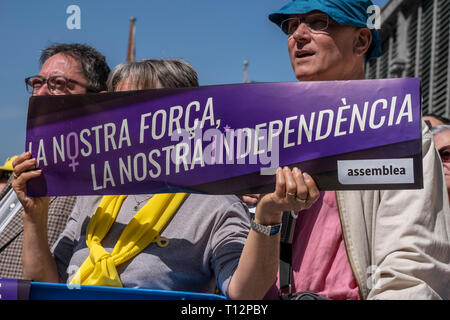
point(314, 21)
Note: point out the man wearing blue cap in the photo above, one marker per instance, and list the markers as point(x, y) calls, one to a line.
point(391, 244)
point(336, 41)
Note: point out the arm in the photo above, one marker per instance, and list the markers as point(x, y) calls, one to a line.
point(258, 265)
point(249, 199)
point(38, 262)
point(411, 247)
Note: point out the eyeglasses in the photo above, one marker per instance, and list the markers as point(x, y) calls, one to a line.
point(445, 154)
point(315, 22)
point(55, 84)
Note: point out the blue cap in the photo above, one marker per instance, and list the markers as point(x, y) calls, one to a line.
point(345, 12)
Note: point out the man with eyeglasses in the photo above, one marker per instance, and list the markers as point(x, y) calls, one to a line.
point(441, 135)
point(392, 244)
point(65, 69)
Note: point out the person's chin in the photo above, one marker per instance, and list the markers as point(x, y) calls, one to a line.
point(306, 76)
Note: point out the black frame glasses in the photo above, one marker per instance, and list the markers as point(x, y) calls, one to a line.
point(314, 21)
point(54, 84)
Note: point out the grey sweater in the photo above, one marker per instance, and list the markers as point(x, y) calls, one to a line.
point(206, 237)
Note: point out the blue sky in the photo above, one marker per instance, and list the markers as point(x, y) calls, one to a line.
point(214, 36)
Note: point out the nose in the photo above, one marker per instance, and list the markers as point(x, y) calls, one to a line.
point(302, 33)
point(42, 91)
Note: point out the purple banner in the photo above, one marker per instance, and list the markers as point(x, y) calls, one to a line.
point(228, 139)
point(14, 289)
point(8, 289)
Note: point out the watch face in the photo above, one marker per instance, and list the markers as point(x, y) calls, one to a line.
point(275, 229)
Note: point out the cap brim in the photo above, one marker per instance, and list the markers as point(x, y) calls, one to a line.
point(289, 9)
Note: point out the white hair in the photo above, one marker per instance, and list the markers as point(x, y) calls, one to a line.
point(438, 129)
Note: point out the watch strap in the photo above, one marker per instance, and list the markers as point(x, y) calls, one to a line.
point(266, 230)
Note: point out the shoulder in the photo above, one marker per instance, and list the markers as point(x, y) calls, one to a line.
point(61, 205)
point(87, 202)
point(219, 204)
point(84, 206)
point(213, 212)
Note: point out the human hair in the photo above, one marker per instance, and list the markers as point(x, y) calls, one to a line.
point(93, 63)
point(154, 73)
point(442, 119)
point(438, 129)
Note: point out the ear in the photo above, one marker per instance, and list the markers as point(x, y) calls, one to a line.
point(363, 39)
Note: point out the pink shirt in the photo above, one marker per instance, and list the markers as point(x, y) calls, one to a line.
point(319, 259)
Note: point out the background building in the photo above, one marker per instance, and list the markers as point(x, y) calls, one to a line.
point(415, 39)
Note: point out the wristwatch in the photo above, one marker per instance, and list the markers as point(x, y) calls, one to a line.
point(266, 230)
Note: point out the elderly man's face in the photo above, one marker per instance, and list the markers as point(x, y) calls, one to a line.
point(325, 55)
point(62, 65)
point(442, 142)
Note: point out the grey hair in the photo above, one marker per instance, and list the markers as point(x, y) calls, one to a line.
point(153, 73)
point(438, 129)
point(93, 63)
